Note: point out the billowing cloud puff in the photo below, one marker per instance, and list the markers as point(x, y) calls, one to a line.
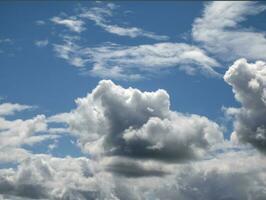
point(114, 121)
point(45, 177)
point(249, 86)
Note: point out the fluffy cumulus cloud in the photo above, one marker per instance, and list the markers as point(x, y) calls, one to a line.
point(136, 148)
point(133, 62)
point(249, 86)
point(16, 133)
point(220, 32)
point(45, 177)
point(116, 122)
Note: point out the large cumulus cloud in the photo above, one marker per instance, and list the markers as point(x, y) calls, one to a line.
point(136, 149)
point(114, 121)
point(249, 86)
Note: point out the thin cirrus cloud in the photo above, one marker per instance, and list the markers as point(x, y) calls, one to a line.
point(5, 42)
point(220, 32)
point(72, 23)
point(135, 62)
point(41, 43)
point(100, 16)
point(127, 62)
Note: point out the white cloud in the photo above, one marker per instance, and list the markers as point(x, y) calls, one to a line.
point(231, 175)
point(109, 60)
point(249, 82)
point(132, 62)
point(41, 43)
point(101, 14)
point(114, 121)
point(11, 108)
point(13, 155)
point(40, 22)
point(16, 133)
point(72, 23)
point(5, 40)
point(70, 52)
point(43, 177)
point(220, 32)
point(137, 150)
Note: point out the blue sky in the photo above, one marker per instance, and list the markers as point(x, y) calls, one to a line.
point(35, 76)
point(203, 54)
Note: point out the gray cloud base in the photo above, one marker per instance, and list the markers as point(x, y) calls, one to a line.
point(229, 176)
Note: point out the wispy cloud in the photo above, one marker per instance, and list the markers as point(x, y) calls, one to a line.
point(220, 32)
point(101, 15)
point(5, 40)
point(12, 108)
point(132, 62)
point(109, 60)
point(71, 52)
point(72, 23)
point(41, 43)
point(40, 22)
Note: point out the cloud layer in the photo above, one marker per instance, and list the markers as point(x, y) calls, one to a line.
point(137, 148)
point(229, 176)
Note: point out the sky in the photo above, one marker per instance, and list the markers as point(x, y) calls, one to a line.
point(132, 100)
